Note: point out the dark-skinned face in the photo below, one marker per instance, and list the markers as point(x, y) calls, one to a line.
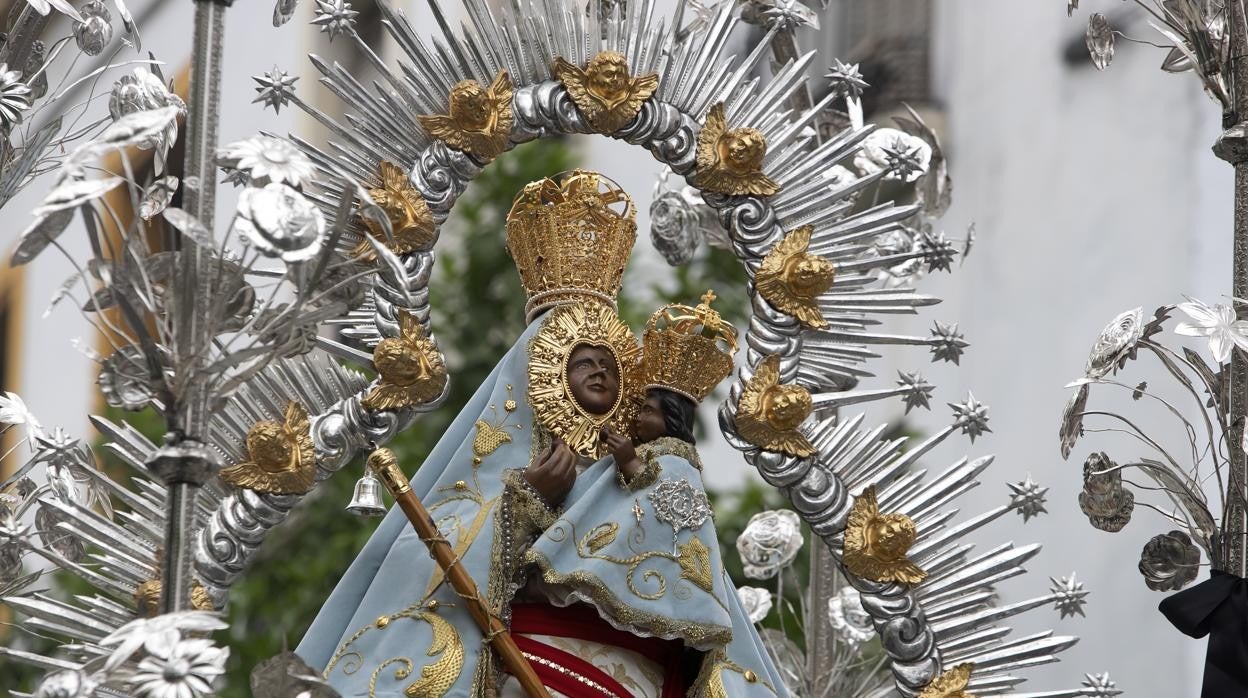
point(650, 423)
point(593, 378)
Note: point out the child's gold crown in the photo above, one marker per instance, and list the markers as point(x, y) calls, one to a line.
point(688, 350)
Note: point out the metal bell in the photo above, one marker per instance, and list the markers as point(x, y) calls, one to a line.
point(366, 501)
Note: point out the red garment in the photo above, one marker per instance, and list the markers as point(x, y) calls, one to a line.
point(582, 622)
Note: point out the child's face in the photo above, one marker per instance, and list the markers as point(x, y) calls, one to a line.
point(650, 423)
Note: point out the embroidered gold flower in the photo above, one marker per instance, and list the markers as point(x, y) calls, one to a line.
point(411, 223)
point(876, 544)
point(479, 118)
point(769, 412)
point(695, 563)
point(280, 456)
point(147, 598)
point(411, 368)
point(488, 439)
point(791, 279)
point(605, 92)
point(950, 684)
point(730, 161)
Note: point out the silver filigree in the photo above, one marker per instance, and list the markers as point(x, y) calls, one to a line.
point(679, 505)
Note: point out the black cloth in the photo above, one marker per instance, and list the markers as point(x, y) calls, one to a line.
point(1217, 607)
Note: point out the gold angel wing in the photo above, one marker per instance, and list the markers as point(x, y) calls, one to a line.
point(296, 419)
point(393, 177)
point(444, 128)
point(643, 87)
point(410, 328)
point(501, 90)
point(574, 79)
point(716, 125)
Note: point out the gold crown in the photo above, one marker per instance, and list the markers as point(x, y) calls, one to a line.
point(568, 243)
point(688, 350)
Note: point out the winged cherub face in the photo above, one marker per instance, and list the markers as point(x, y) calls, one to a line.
point(742, 149)
point(400, 362)
point(471, 105)
point(806, 274)
point(608, 75)
point(890, 536)
point(785, 406)
point(270, 448)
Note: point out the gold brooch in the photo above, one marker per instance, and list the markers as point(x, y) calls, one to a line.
point(769, 413)
point(411, 222)
point(950, 684)
point(791, 279)
point(730, 161)
point(478, 119)
point(605, 92)
point(412, 371)
point(876, 544)
point(281, 458)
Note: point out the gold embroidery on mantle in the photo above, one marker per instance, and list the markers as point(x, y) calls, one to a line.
point(436, 678)
point(490, 437)
point(693, 558)
point(710, 680)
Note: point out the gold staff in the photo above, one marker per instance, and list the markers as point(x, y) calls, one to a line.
point(385, 465)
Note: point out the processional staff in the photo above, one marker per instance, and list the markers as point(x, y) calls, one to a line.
point(385, 465)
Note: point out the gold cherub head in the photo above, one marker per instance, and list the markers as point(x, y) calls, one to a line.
point(281, 458)
point(411, 222)
point(791, 279)
point(478, 119)
point(730, 161)
point(410, 367)
point(876, 544)
point(608, 75)
point(471, 105)
point(951, 683)
point(605, 92)
point(770, 412)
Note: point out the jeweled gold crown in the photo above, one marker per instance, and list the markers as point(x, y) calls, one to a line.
point(688, 350)
point(571, 237)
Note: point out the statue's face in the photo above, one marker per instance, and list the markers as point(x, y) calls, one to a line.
point(890, 536)
point(594, 378)
point(742, 150)
point(269, 448)
point(786, 406)
point(608, 75)
point(470, 104)
point(650, 423)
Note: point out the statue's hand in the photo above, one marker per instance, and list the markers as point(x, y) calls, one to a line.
point(625, 454)
point(553, 473)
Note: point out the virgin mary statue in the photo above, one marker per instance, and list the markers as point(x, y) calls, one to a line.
point(598, 554)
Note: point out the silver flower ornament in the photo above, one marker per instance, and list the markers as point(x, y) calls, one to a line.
point(1115, 343)
point(1217, 322)
point(69, 683)
point(95, 30)
point(848, 618)
point(1100, 40)
point(770, 541)
point(280, 222)
point(1169, 561)
point(188, 670)
point(144, 91)
point(15, 97)
point(756, 601)
point(267, 160)
point(1104, 499)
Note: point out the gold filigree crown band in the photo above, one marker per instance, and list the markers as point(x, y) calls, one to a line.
point(688, 350)
point(571, 237)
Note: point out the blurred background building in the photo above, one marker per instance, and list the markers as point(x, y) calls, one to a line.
point(1092, 193)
